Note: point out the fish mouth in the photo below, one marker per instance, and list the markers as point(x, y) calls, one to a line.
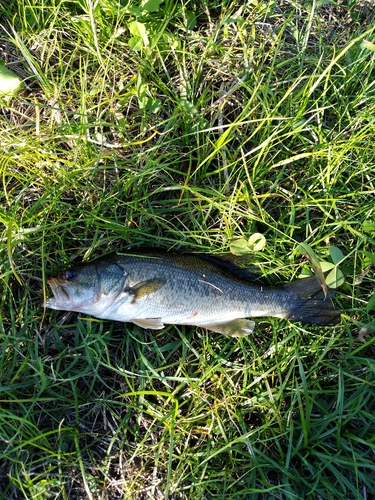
point(60, 297)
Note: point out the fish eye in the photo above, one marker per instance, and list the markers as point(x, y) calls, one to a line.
point(70, 275)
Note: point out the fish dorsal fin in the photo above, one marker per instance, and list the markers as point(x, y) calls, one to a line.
point(230, 264)
point(152, 323)
point(145, 287)
point(236, 328)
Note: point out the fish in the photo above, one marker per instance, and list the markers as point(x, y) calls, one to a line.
point(154, 288)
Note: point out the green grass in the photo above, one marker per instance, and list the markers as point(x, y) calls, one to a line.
point(226, 120)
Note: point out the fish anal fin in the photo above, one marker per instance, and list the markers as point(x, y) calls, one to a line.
point(237, 328)
point(152, 323)
point(146, 287)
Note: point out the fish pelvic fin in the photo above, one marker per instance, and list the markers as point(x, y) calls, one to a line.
point(152, 323)
point(146, 287)
point(309, 303)
point(237, 328)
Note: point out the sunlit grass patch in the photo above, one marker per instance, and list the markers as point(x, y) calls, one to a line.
point(186, 126)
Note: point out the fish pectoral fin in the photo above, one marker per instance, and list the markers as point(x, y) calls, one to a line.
point(236, 328)
point(146, 287)
point(152, 323)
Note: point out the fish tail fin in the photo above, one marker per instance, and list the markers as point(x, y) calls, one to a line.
point(309, 304)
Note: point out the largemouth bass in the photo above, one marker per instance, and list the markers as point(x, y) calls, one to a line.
point(155, 288)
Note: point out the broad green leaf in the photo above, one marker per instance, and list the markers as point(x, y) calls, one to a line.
point(326, 266)
point(335, 278)
point(371, 303)
point(135, 43)
point(191, 19)
point(257, 242)
point(138, 30)
point(10, 84)
point(168, 42)
point(306, 250)
point(336, 254)
point(239, 247)
point(153, 105)
point(368, 226)
point(152, 5)
point(370, 256)
point(136, 11)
